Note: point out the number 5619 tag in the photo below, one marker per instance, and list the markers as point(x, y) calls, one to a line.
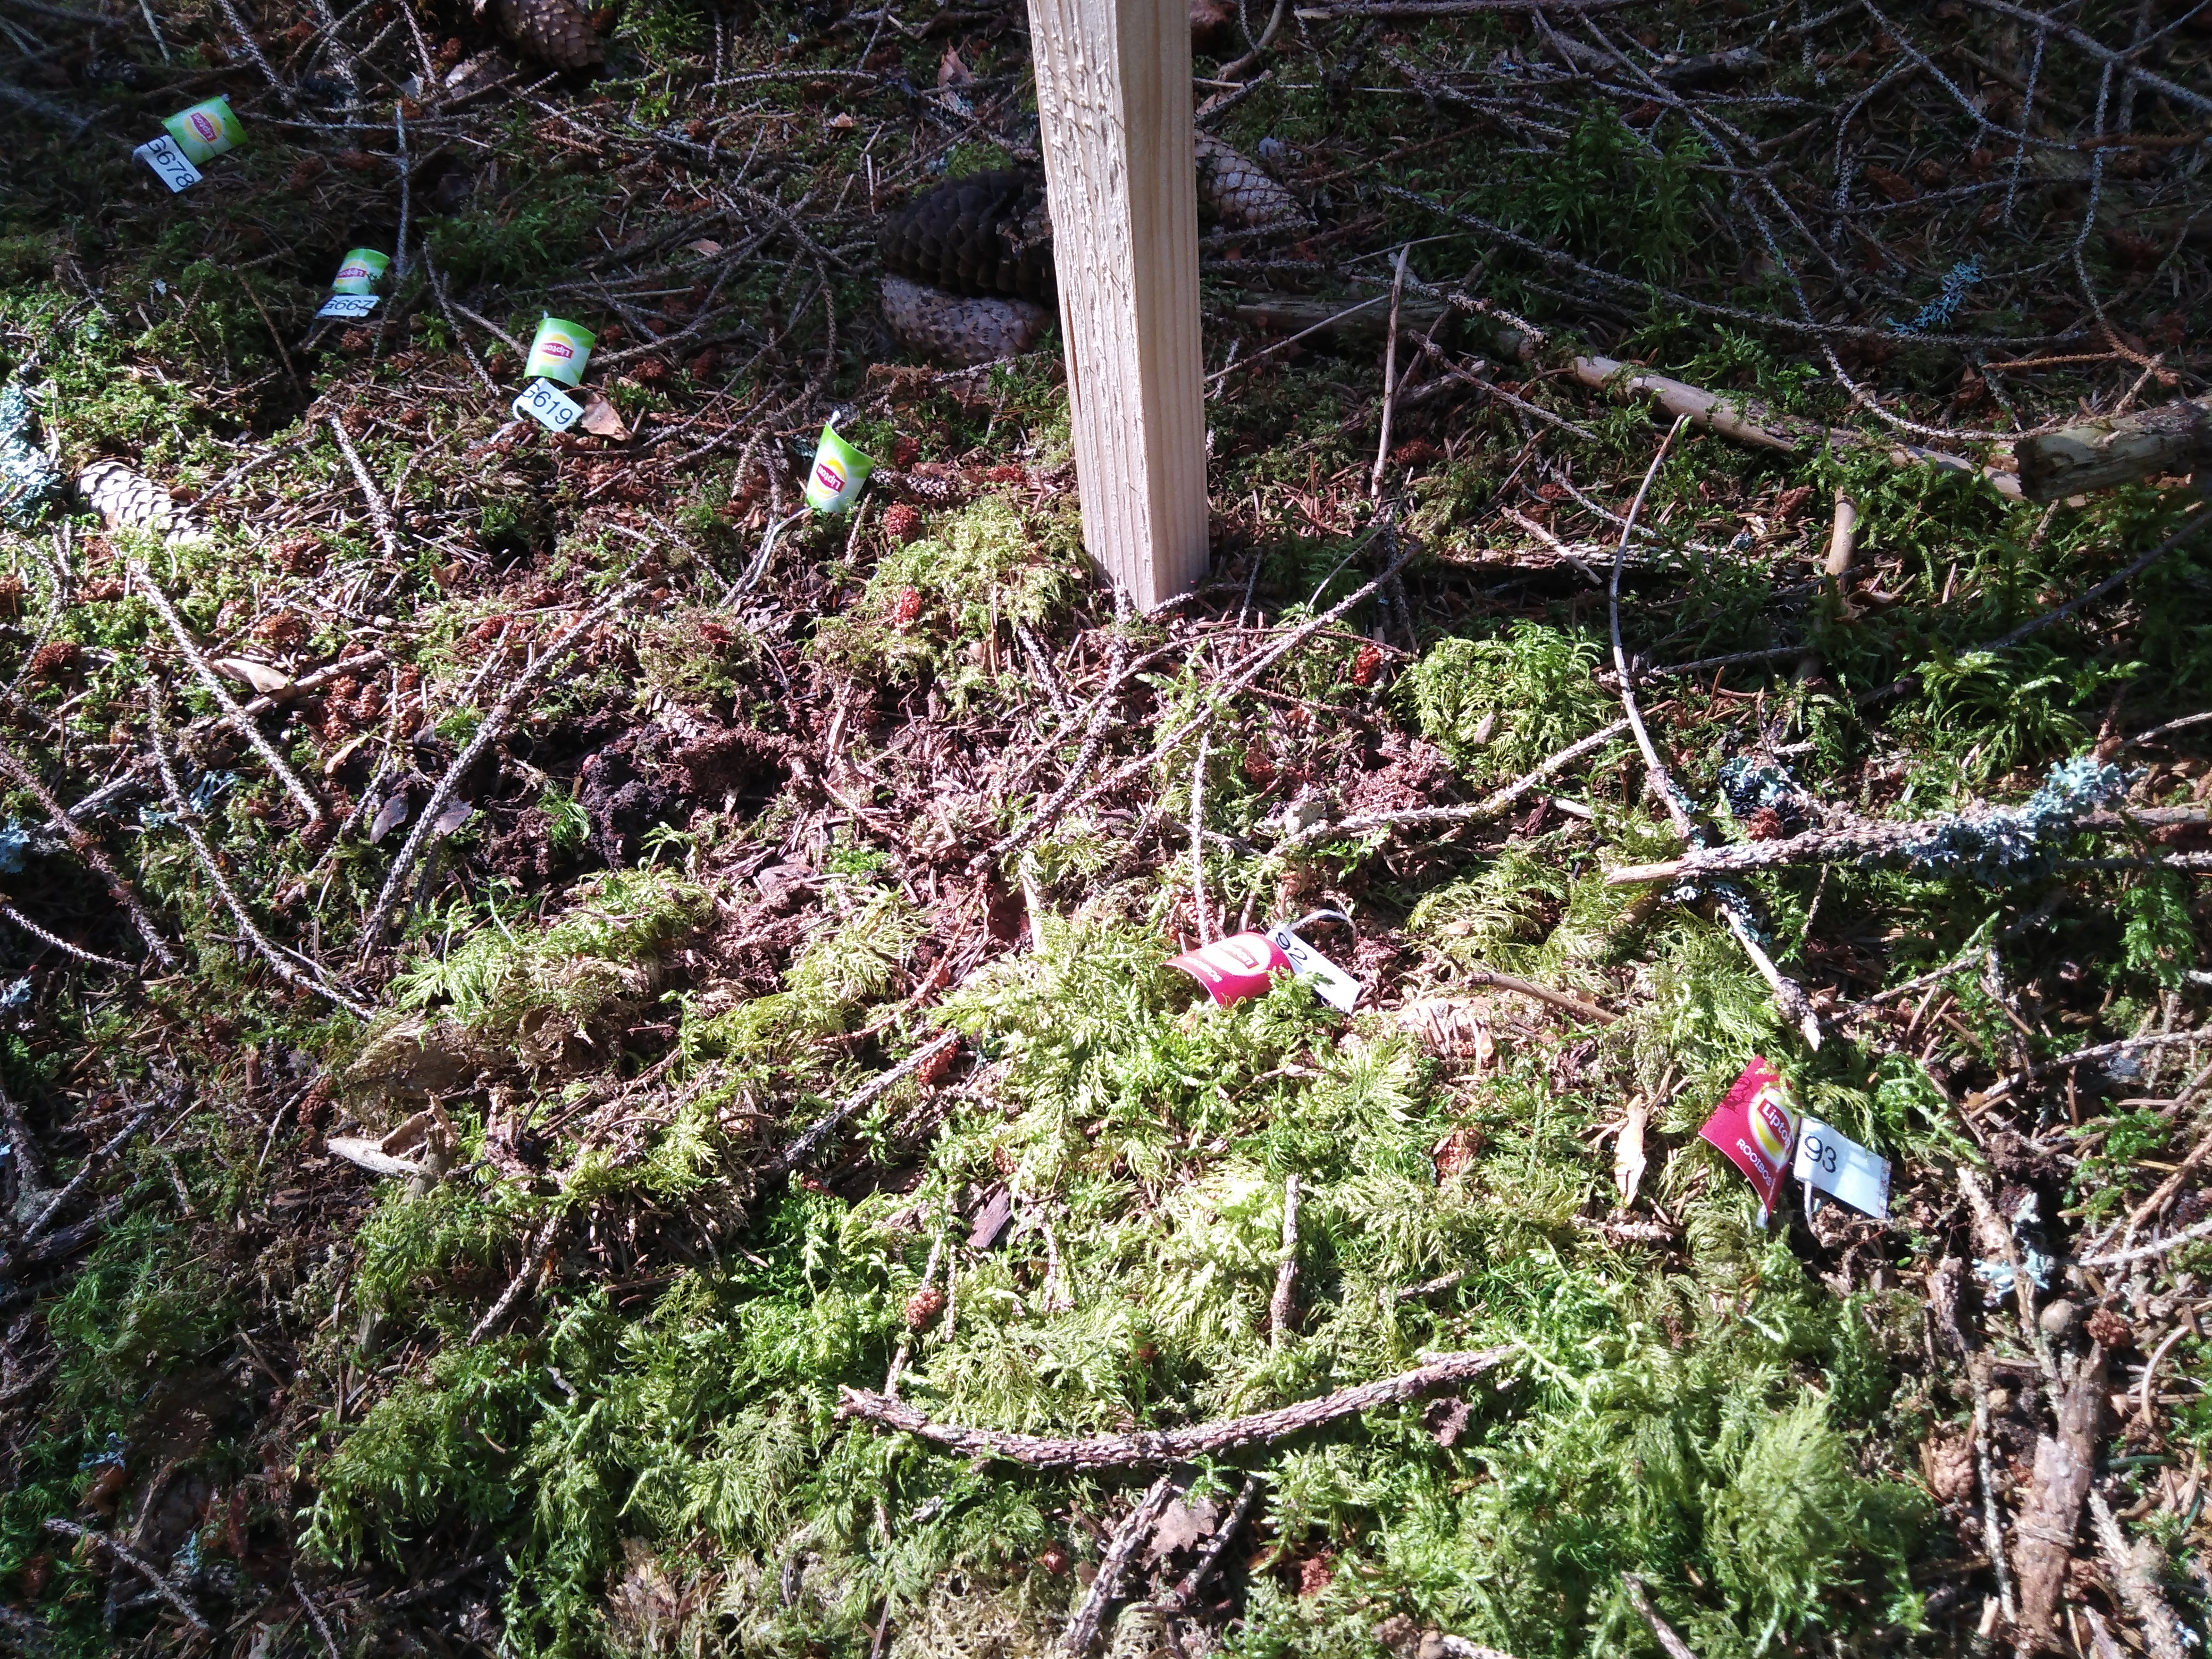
point(1835, 1163)
point(542, 403)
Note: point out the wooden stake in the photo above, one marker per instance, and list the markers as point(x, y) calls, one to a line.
point(1113, 80)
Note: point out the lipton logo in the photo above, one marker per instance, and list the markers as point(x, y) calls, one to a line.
point(830, 477)
point(555, 348)
point(1245, 953)
point(206, 129)
point(1771, 1125)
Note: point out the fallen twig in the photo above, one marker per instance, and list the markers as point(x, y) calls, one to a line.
point(309, 803)
point(204, 855)
point(2162, 1633)
point(380, 515)
point(1089, 1623)
point(1185, 1594)
point(1280, 1305)
point(494, 727)
point(138, 1564)
point(1489, 807)
point(810, 1140)
point(1107, 1451)
point(1750, 421)
point(1672, 1645)
point(91, 958)
point(93, 853)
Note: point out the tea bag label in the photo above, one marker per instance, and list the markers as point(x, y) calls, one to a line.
point(560, 351)
point(168, 163)
point(834, 481)
point(206, 131)
point(1755, 1128)
point(359, 271)
point(1833, 1163)
point(352, 307)
point(544, 403)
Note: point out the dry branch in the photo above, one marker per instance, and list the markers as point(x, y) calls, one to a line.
point(204, 855)
point(1279, 1305)
point(2113, 450)
point(93, 853)
point(1751, 422)
point(138, 1564)
point(1089, 1623)
point(379, 513)
point(1670, 1643)
point(232, 713)
point(1108, 1451)
point(810, 1140)
point(494, 727)
point(1473, 811)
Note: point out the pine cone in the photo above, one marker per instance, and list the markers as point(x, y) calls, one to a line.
point(128, 500)
point(558, 30)
point(1242, 197)
point(923, 1307)
point(960, 329)
point(987, 235)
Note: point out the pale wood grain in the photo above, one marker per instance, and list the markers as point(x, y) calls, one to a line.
point(1113, 104)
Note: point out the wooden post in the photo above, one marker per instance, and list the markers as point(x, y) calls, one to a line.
point(1113, 80)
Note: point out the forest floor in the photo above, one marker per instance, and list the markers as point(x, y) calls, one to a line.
point(563, 1056)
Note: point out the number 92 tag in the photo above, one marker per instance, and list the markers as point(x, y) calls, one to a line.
point(1835, 1163)
point(541, 402)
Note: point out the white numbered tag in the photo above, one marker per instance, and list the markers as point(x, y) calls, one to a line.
point(542, 403)
point(1330, 983)
point(350, 306)
point(1835, 1163)
point(168, 163)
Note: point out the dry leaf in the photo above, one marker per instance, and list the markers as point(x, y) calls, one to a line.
point(369, 1157)
point(456, 814)
point(1184, 1523)
point(1628, 1160)
point(951, 71)
point(1453, 1026)
point(344, 753)
point(1456, 1151)
point(602, 419)
point(1446, 1420)
point(705, 248)
point(389, 817)
point(265, 680)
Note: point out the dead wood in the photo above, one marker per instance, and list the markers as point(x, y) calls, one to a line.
point(309, 803)
point(94, 854)
point(1108, 1451)
point(811, 1140)
point(494, 728)
point(1748, 421)
point(1089, 1623)
point(1670, 1643)
point(2104, 454)
point(2044, 1536)
point(1490, 807)
point(156, 1578)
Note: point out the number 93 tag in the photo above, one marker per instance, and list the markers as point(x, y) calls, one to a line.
point(544, 403)
point(1834, 1163)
